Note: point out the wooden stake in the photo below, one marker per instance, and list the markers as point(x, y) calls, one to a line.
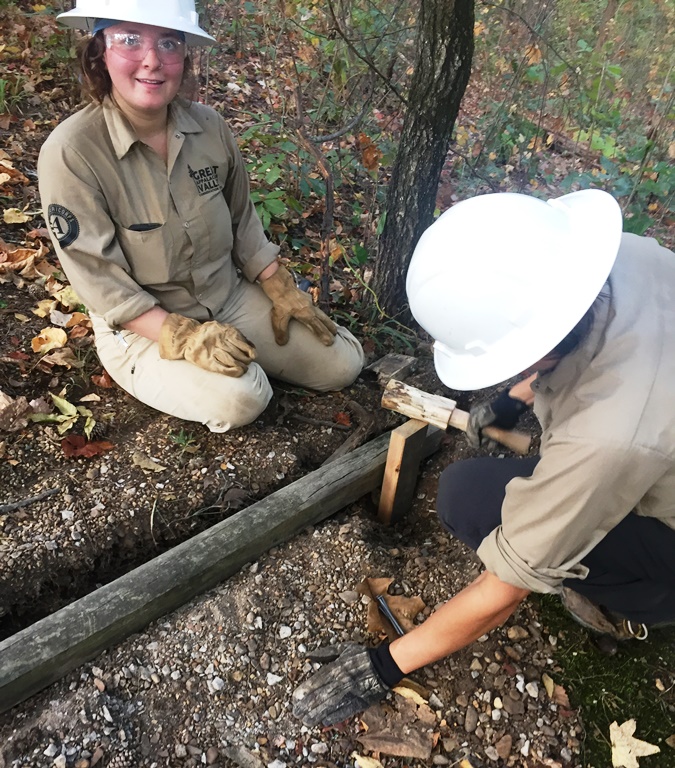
point(410, 443)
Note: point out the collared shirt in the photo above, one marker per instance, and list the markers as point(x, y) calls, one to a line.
point(608, 443)
point(132, 232)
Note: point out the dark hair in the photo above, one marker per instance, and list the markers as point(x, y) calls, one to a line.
point(576, 335)
point(94, 77)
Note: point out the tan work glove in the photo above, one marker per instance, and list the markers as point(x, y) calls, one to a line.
point(290, 302)
point(212, 346)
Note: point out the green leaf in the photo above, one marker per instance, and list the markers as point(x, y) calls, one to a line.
point(66, 408)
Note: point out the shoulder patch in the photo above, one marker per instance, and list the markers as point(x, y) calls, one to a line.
point(63, 224)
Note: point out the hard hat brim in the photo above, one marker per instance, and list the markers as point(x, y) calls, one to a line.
point(194, 35)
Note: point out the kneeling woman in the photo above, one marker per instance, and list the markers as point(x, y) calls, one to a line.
point(147, 199)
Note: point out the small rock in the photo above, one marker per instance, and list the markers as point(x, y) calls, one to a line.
point(82, 763)
point(471, 720)
point(218, 683)
point(517, 633)
point(99, 684)
point(462, 700)
point(320, 748)
point(285, 632)
point(513, 707)
point(440, 760)
point(51, 751)
point(491, 753)
point(272, 711)
point(476, 666)
point(350, 597)
point(180, 750)
point(503, 746)
point(532, 689)
point(273, 679)
point(512, 653)
point(212, 755)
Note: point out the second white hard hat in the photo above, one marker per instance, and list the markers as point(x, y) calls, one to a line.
point(171, 14)
point(499, 280)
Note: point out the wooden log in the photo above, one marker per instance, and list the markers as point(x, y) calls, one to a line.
point(442, 412)
point(44, 652)
point(410, 443)
point(392, 366)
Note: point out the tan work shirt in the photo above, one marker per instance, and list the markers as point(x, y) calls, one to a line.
point(132, 232)
point(608, 445)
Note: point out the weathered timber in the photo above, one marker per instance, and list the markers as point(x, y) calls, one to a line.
point(47, 650)
point(443, 413)
point(410, 443)
point(392, 366)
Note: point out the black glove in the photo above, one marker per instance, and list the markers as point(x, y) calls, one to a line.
point(504, 411)
point(339, 690)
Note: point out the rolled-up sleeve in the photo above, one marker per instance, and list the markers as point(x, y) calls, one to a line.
point(251, 251)
point(578, 492)
point(84, 238)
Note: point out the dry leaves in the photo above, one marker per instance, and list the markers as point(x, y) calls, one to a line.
point(75, 446)
point(15, 216)
point(405, 729)
point(626, 748)
point(13, 413)
point(405, 609)
point(49, 338)
point(146, 463)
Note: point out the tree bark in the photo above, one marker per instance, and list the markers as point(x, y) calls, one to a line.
point(441, 73)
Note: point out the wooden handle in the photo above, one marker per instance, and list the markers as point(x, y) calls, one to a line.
point(443, 412)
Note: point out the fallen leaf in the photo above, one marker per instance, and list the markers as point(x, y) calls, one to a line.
point(145, 462)
point(22, 318)
point(25, 261)
point(15, 216)
point(342, 418)
point(402, 730)
point(90, 398)
point(626, 748)
point(48, 339)
point(59, 319)
point(64, 407)
point(76, 445)
point(64, 357)
point(44, 307)
point(548, 684)
point(13, 413)
point(34, 234)
point(366, 762)
point(408, 693)
point(67, 297)
point(560, 697)
point(104, 381)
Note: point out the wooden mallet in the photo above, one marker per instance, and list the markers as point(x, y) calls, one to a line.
point(443, 413)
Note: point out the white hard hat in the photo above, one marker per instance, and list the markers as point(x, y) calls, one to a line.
point(171, 14)
point(499, 280)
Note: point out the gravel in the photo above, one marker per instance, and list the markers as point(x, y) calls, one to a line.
point(210, 684)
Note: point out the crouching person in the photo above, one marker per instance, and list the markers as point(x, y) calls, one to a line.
point(506, 283)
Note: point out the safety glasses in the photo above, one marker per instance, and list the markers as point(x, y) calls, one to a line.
point(134, 47)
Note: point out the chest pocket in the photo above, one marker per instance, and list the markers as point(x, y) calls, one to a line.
point(151, 254)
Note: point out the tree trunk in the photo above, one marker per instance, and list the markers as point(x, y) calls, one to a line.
point(442, 69)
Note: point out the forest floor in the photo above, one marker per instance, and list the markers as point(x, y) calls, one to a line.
point(210, 683)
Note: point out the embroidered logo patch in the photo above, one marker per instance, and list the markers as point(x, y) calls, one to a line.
point(63, 223)
point(206, 179)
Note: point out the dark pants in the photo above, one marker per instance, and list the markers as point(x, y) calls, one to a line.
point(631, 571)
